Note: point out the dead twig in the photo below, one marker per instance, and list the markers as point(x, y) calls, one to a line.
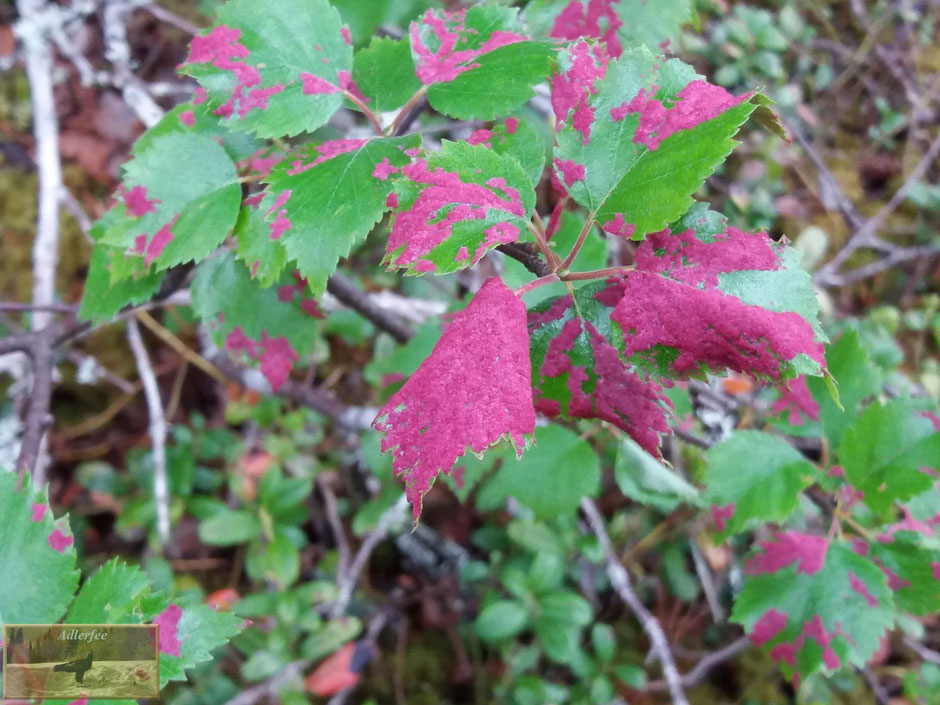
point(161, 496)
point(620, 580)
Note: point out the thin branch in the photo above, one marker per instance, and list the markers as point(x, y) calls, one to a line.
point(346, 291)
point(157, 429)
point(928, 655)
point(336, 525)
point(38, 56)
point(269, 688)
point(407, 113)
point(705, 664)
point(171, 18)
point(347, 582)
point(620, 580)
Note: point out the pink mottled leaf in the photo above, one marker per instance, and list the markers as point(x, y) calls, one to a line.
point(473, 390)
point(754, 477)
point(454, 205)
point(477, 63)
point(814, 604)
point(577, 371)
point(273, 68)
point(325, 198)
point(620, 24)
point(709, 297)
point(273, 327)
point(625, 126)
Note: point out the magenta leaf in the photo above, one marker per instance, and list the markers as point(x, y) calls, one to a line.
point(454, 205)
point(709, 297)
point(577, 371)
point(473, 390)
point(815, 604)
point(273, 69)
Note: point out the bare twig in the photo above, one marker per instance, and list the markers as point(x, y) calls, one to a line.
point(269, 688)
point(38, 56)
point(164, 15)
point(928, 655)
point(347, 292)
point(157, 429)
point(336, 525)
point(347, 582)
point(705, 664)
point(620, 580)
point(866, 235)
point(528, 256)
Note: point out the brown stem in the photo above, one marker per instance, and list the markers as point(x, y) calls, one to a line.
point(393, 129)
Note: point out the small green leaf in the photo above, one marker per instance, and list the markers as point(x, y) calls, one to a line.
point(645, 479)
point(199, 630)
point(604, 642)
point(501, 620)
point(229, 527)
point(552, 476)
point(559, 639)
point(566, 607)
point(385, 73)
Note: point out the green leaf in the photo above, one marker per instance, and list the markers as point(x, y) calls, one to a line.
point(326, 198)
point(817, 606)
point(911, 571)
point(616, 157)
point(111, 596)
point(454, 206)
point(754, 476)
point(476, 63)
point(501, 620)
point(274, 326)
point(364, 18)
point(103, 299)
point(385, 73)
point(265, 258)
point(848, 362)
point(518, 139)
point(229, 527)
point(552, 476)
point(884, 451)
point(37, 555)
point(604, 642)
point(273, 68)
point(199, 630)
point(566, 607)
point(177, 203)
point(559, 639)
point(278, 561)
point(643, 478)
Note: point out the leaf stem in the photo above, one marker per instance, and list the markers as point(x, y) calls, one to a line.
point(535, 284)
point(366, 111)
point(588, 224)
point(412, 102)
point(539, 234)
point(597, 273)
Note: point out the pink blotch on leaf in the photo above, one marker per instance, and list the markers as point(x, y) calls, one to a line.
point(344, 32)
point(786, 548)
point(861, 588)
point(167, 623)
point(188, 118)
point(59, 541)
point(383, 170)
point(136, 202)
point(768, 626)
point(392, 378)
point(597, 19)
point(473, 389)
point(39, 511)
point(201, 96)
point(326, 150)
point(160, 240)
point(512, 124)
point(571, 171)
point(482, 136)
point(720, 515)
point(797, 401)
point(619, 227)
point(314, 85)
point(253, 200)
point(281, 222)
point(391, 201)
point(419, 229)
point(445, 62)
point(698, 102)
point(462, 254)
point(572, 88)
point(277, 358)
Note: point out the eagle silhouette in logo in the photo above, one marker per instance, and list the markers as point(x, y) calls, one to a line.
point(78, 667)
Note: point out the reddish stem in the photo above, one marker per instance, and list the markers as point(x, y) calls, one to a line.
point(535, 284)
point(412, 102)
point(597, 273)
point(366, 111)
point(588, 224)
